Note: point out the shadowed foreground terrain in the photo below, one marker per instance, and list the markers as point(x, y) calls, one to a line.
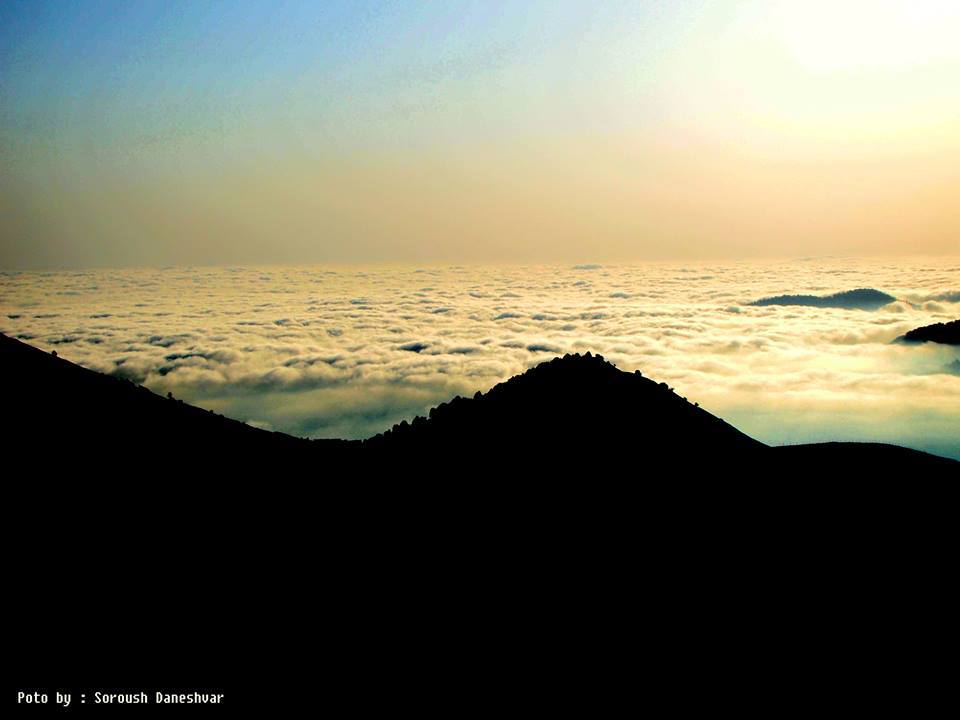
point(517, 540)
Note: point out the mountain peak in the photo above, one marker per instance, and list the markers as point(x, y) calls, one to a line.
point(576, 402)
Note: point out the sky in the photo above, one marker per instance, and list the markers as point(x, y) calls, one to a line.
point(259, 132)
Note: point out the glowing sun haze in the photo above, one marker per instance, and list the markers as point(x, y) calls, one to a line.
point(292, 132)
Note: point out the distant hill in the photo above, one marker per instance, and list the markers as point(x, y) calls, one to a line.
point(943, 333)
point(859, 299)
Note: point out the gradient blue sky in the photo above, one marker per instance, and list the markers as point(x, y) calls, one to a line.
point(222, 132)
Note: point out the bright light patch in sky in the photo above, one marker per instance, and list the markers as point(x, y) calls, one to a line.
point(850, 35)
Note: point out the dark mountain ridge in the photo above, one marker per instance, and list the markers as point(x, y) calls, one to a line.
point(571, 404)
point(944, 333)
point(575, 413)
point(859, 299)
point(149, 537)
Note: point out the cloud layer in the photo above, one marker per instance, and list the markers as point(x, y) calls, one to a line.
point(346, 352)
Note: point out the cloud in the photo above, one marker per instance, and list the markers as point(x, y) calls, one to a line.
point(543, 348)
point(361, 349)
point(949, 296)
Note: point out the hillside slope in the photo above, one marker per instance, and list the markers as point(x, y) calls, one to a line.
point(64, 418)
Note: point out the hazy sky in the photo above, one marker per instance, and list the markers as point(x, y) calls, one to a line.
point(145, 133)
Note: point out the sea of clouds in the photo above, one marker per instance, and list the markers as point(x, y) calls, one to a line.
point(348, 351)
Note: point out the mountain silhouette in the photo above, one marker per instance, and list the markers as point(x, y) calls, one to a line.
point(576, 406)
point(944, 333)
point(573, 412)
point(547, 521)
point(859, 299)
